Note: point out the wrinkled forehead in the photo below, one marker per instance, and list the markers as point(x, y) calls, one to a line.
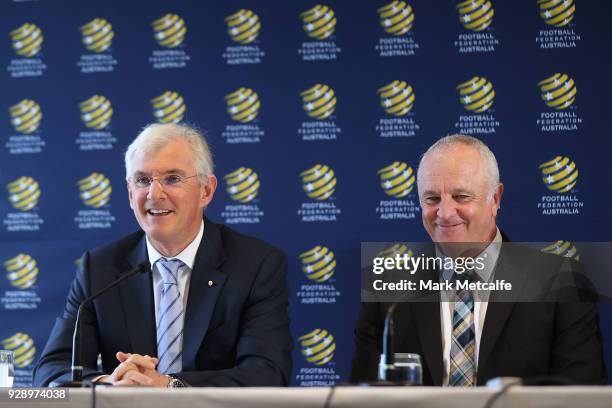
point(175, 156)
point(454, 168)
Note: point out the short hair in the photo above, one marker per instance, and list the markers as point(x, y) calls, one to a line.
point(156, 135)
point(485, 153)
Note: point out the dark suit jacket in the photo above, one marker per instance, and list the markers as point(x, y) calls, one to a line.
point(519, 339)
point(236, 332)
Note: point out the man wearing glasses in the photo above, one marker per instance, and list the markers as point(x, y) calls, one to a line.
point(213, 310)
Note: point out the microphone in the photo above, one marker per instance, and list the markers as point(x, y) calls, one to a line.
point(77, 368)
point(387, 360)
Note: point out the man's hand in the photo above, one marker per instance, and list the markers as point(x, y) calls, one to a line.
point(141, 370)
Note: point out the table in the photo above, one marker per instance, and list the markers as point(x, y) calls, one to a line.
point(358, 397)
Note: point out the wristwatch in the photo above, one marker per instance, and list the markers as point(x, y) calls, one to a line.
point(175, 382)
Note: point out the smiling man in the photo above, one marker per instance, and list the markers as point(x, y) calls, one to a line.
point(466, 338)
point(213, 309)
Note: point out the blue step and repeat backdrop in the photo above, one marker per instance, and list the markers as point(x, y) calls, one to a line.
point(317, 114)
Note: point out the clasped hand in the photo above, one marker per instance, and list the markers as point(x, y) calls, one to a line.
point(136, 369)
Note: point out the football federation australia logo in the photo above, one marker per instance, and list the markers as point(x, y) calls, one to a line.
point(27, 40)
point(397, 180)
point(318, 346)
point(96, 112)
point(21, 271)
point(319, 102)
point(25, 116)
point(562, 248)
point(476, 95)
point(559, 174)
point(396, 98)
point(319, 182)
point(95, 190)
point(475, 15)
point(318, 264)
point(22, 347)
point(169, 31)
point(394, 250)
point(97, 35)
point(396, 18)
point(243, 26)
point(319, 22)
point(24, 193)
point(558, 91)
point(557, 13)
point(242, 184)
point(243, 105)
point(169, 107)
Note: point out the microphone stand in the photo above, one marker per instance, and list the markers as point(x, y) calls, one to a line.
point(76, 367)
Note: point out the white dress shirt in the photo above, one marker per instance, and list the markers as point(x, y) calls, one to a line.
point(187, 256)
point(490, 256)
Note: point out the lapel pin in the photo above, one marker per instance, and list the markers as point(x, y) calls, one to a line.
point(211, 283)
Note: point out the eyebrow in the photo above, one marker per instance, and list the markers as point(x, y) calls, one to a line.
point(454, 191)
point(172, 171)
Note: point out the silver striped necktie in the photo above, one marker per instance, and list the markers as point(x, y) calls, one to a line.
point(170, 318)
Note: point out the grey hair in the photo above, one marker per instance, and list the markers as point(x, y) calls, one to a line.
point(156, 135)
point(485, 153)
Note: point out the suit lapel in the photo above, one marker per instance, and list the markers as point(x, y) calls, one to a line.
point(138, 304)
point(500, 305)
point(205, 285)
point(428, 326)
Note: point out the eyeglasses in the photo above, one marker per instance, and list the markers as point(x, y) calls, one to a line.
point(166, 180)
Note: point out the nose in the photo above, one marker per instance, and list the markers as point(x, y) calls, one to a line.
point(156, 190)
point(446, 208)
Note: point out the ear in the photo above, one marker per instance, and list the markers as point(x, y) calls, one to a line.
point(130, 195)
point(207, 191)
point(497, 198)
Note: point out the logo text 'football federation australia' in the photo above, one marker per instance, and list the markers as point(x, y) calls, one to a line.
point(22, 347)
point(169, 31)
point(25, 116)
point(319, 22)
point(397, 98)
point(169, 107)
point(319, 182)
point(562, 248)
point(97, 35)
point(21, 271)
point(243, 105)
point(396, 18)
point(559, 174)
point(27, 40)
point(475, 15)
point(318, 346)
point(557, 13)
point(319, 102)
point(397, 180)
point(243, 26)
point(242, 184)
point(95, 190)
point(558, 91)
point(318, 264)
point(24, 193)
point(476, 95)
point(96, 112)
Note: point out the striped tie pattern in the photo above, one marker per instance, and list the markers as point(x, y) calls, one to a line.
point(462, 372)
point(170, 318)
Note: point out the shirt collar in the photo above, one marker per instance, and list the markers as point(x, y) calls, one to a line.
point(489, 256)
point(187, 255)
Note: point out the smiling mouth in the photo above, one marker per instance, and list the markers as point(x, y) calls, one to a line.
point(159, 213)
point(449, 225)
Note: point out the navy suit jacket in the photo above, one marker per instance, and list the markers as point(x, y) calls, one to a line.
point(519, 339)
point(236, 331)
